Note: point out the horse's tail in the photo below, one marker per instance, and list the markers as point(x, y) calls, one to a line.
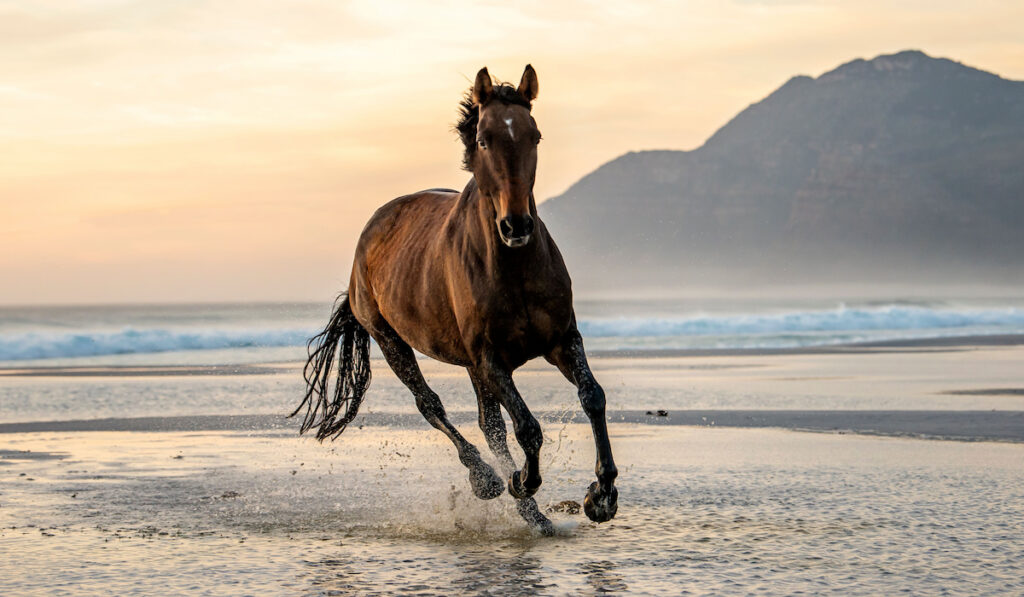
point(323, 409)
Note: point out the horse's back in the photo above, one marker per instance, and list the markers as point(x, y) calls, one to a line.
point(404, 223)
point(409, 210)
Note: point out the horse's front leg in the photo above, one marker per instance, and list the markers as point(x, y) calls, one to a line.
point(493, 426)
point(497, 382)
point(601, 501)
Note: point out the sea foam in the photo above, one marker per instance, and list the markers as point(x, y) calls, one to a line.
point(85, 343)
point(841, 319)
point(776, 329)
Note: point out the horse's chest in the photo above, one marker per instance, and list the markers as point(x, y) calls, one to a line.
point(529, 323)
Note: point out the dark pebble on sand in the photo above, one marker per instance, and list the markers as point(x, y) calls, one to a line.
point(567, 506)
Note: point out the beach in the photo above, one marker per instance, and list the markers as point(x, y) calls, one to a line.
point(770, 332)
point(852, 470)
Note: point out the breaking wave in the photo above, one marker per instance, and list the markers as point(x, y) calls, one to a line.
point(49, 345)
point(767, 330)
point(841, 319)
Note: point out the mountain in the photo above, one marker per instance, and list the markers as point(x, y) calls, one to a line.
point(900, 168)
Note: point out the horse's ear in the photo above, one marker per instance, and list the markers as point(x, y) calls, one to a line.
point(528, 85)
point(482, 89)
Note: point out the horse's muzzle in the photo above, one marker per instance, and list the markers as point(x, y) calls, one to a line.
point(515, 231)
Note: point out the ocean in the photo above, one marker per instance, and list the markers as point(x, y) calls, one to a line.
point(264, 332)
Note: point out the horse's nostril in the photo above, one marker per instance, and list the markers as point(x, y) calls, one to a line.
point(516, 228)
point(506, 227)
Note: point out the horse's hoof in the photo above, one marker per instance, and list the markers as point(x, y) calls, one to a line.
point(516, 488)
point(486, 483)
point(601, 507)
point(531, 513)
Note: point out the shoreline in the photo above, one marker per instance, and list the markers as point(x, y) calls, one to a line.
point(937, 344)
point(968, 426)
point(882, 346)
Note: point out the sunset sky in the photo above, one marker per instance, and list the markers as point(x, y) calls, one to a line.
point(210, 151)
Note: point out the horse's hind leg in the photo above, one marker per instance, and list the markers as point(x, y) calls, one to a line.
point(485, 482)
point(601, 501)
point(493, 426)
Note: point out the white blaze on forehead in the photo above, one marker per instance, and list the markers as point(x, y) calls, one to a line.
point(508, 122)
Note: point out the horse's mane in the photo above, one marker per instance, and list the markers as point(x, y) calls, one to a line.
point(469, 116)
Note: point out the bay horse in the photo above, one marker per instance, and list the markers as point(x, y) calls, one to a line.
point(473, 279)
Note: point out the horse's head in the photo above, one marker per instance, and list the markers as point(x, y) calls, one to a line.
point(501, 150)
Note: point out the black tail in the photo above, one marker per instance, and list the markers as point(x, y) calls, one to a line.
point(324, 410)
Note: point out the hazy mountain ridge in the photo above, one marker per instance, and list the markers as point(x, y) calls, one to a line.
point(872, 168)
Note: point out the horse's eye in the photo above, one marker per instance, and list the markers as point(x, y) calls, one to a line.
point(481, 143)
point(536, 138)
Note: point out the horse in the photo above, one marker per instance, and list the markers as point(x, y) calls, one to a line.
point(473, 279)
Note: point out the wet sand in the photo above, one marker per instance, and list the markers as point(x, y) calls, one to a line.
point(1005, 426)
point(170, 481)
point(963, 378)
point(385, 511)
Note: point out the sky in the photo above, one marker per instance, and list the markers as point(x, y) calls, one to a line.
point(232, 151)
